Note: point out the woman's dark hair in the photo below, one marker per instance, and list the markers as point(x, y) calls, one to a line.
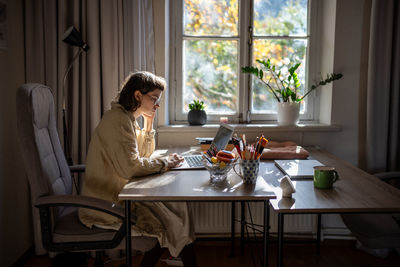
point(143, 81)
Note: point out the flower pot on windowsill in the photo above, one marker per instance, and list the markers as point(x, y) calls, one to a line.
point(284, 85)
point(288, 113)
point(197, 117)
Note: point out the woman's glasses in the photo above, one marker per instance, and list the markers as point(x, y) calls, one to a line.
point(156, 100)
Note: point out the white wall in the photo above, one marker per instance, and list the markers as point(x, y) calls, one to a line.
point(15, 219)
point(346, 59)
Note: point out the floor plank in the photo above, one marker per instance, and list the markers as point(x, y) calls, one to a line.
point(216, 253)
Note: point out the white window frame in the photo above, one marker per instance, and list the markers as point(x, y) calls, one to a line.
point(241, 116)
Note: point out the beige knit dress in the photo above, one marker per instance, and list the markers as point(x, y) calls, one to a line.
point(120, 151)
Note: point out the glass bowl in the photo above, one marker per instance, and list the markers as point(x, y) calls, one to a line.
point(219, 171)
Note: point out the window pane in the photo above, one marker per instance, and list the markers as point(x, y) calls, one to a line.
point(210, 74)
point(211, 17)
point(282, 53)
point(280, 17)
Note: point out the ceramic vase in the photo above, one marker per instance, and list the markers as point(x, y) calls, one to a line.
point(288, 113)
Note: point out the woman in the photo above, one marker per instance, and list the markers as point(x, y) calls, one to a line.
point(120, 151)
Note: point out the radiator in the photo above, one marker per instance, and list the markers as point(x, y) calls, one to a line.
point(215, 218)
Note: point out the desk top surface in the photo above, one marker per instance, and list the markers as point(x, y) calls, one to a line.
point(356, 191)
point(194, 185)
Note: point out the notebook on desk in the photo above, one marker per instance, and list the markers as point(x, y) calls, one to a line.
point(298, 168)
point(221, 139)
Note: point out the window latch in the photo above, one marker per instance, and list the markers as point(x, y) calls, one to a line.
point(248, 116)
point(250, 33)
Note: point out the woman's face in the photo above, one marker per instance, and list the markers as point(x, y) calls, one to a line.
point(150, 102)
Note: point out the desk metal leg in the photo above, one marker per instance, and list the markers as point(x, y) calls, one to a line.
point(233, 215)
point(128, 233)
point(242, 225)
point(266, 233)
point(280, 238)
point(319, 234)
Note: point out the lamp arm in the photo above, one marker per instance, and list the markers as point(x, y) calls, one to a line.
point(65, 131)
point(66, 74)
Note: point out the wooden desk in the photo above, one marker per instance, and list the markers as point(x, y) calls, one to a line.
point(355, 192)
point(194, 185)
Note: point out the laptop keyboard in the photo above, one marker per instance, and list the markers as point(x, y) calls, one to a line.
point(194, 161)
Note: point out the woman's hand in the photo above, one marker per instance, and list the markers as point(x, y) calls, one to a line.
point(148, 121)
point(174, 160)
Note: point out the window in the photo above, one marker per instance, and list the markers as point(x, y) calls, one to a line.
point(212, 39)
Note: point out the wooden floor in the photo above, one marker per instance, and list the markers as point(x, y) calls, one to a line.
point(216, 253)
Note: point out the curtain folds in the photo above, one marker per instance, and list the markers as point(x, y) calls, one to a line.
point(141, 25)
point(120, 35)
point(381, 131)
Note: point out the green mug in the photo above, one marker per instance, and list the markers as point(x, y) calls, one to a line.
point(324, 177)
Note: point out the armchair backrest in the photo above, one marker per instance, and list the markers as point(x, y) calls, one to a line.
point(45, 163)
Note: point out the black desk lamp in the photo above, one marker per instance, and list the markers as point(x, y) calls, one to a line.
point(72, 37)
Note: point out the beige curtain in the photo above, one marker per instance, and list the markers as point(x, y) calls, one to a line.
point(121, 39)
point(120, 35)
point(380, 95)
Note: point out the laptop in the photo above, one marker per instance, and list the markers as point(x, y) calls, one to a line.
point(221, 139)
point(298, 168)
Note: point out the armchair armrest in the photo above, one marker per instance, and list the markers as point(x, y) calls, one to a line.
point(77, 168)
point(84, 202)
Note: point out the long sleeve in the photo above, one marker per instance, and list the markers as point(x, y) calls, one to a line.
point(146, 141)
point(132, 150)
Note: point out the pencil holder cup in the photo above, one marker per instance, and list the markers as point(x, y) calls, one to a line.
point(248, 170)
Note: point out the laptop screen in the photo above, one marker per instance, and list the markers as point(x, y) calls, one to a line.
point(222, 137)
point(219, 142)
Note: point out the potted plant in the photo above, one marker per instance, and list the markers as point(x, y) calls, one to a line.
point(197, 115)
point(284, 88)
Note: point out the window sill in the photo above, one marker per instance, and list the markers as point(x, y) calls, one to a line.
point(302, 127)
